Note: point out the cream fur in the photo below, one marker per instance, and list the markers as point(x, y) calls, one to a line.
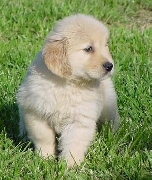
point(67, 91)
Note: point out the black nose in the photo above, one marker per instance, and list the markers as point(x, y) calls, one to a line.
point(108, 66)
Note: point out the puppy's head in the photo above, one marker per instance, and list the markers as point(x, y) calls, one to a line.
point(77, 49)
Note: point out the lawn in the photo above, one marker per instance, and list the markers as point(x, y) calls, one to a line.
point(124, 155)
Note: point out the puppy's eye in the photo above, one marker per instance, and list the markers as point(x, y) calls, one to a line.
point(89, 49)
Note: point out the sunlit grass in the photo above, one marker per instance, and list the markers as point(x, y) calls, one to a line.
point(125, 155)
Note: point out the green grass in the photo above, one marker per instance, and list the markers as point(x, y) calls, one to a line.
point(125, 155)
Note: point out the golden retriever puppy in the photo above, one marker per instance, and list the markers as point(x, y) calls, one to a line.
point(68, 90)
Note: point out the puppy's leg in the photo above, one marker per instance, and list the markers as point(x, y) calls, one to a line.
point(42, 135)
point(110, 114)
point(110, 110)
point(74, 141)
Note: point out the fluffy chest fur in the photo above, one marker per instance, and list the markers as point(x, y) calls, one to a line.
point(72, 104)
point(60, 104)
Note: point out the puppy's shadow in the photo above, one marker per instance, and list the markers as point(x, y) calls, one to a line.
point(9, 123)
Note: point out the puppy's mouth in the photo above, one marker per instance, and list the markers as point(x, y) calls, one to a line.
point(106, 75)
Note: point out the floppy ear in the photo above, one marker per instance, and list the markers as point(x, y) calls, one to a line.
point(55, 57)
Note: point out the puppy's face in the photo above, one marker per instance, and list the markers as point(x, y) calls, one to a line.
point(78, 49)
point(89, 55)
